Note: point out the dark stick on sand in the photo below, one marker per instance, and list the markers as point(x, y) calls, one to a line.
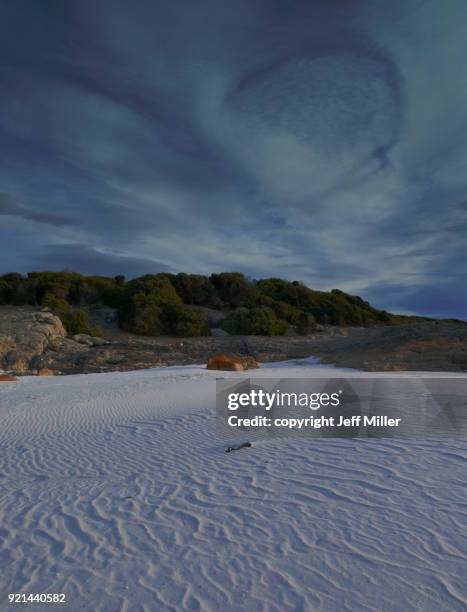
point(229, 449)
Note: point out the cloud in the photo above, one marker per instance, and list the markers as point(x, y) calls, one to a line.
point(9, 207)
point(86, 260)
point(313, 123)
point(447, 300)
point(322, 142)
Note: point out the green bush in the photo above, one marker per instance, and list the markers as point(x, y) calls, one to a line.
point(294, 294)
point(155, 304)
point(4, 292)
point(76, 289)
point(190, 322)
point(155, 308)
point(142, 315)
point(196, 289)
point(56, 283)
point(265, 323)
point(17, 290)
point(74, 321)
point(237, 322)
point(77, 322)
point(147, 318)
point(259, 321)
point(58, 305)
point(305, 323)
point(234, 290)
point(158, 287)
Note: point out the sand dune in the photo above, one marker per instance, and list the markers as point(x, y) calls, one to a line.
point(115, 490)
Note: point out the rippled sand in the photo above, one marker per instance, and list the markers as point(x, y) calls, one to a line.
point(115, 490)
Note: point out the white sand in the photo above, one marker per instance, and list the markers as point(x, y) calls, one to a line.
point(115, 490)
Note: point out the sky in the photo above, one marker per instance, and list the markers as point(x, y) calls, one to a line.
point(318, 141)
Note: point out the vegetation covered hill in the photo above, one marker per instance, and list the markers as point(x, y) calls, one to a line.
point(175, 304)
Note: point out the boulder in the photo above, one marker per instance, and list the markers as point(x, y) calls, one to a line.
point(88, 340)
point(249, 362)
point(25, 333)
point(37, 362)
point(7, 342)
point(235, 363)
point(224, 362)
point(96, 341)
point(218, 332)
point(8, 378)
point(83, 339)
point(45, 372)
point(17, 361)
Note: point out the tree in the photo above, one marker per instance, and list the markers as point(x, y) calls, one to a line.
point(259, 321)
point(234, 289)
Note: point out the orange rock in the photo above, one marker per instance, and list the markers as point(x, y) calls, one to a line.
point(45, 372)
point(249, 362)
point(8, 378)
point(224, 362)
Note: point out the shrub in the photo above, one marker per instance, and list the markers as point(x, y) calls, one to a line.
point(259, 321)
point(294, 294)
point(77, 322)
point(142, 315)
point(234, 289)
point(4, 292)
point(196, 289)
point(74, 321)
point(155, 304)
point(191, 323)
point(237, 322)
point(305, 323)
point(265, 323)
point(158, 287)
point(154, 308)
point(58, 305)
point(56, 283)
point(16, 290)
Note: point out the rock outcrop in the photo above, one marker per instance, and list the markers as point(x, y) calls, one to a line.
point(223, 362)
point(90, 340)
point(45, 372)
point(233, 363)
point(31, 339)
point(249, 362)
point(8, 378)
point(25, 333)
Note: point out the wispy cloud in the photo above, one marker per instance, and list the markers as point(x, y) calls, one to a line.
point(324, 143)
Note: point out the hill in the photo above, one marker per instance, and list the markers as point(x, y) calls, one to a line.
point(178, 304)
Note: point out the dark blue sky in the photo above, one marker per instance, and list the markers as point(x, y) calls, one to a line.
point(319, 141)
